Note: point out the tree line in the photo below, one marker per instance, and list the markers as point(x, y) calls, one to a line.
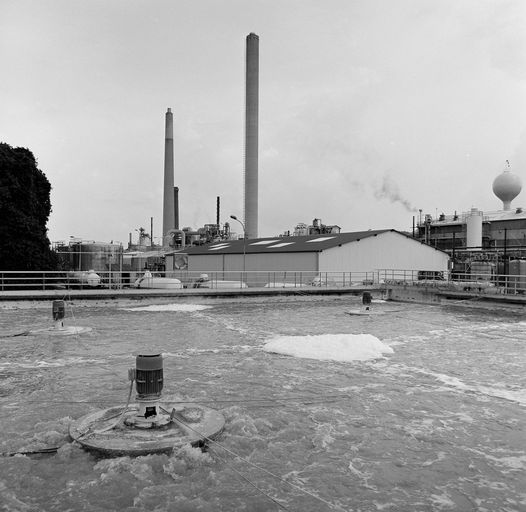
point(25, 206)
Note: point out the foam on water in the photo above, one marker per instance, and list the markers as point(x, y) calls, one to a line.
point(423, 427)
point(68, 330)
point(517, 395)
point(330, 347)
point(182, 308)
point(56, 363)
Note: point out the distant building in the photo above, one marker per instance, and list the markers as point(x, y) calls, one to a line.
point(316, 228)
point(453, 232)
point(480, 231)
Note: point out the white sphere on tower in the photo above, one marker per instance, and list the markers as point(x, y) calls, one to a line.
point(507, 186)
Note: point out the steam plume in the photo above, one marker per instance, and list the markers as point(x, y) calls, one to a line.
point(389, 190)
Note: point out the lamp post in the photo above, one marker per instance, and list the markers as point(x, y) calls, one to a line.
point(244, 239)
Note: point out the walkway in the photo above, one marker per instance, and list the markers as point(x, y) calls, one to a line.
point(138, 293)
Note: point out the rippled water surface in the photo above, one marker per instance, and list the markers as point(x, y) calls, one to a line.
point(439, 424)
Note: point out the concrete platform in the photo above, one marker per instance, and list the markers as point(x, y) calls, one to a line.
point(437, 295)
point(138, 293)
point(396, 293)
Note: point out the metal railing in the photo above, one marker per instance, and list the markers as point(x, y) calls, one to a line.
point(59, 280)
point(477, 281)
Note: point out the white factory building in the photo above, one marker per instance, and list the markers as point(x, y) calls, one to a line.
point(357, 252)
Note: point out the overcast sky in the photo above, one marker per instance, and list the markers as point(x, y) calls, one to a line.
point(369, 109)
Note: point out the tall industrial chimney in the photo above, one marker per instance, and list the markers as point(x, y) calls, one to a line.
point(168, 203)
point(176, 207)
point(251, 135)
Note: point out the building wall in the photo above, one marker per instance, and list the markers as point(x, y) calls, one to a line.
point(300, 261)
point(254, 262)
point(261, 268)
point(206, 262)
point(440, 235)
point(515, 233)
point(388, 250)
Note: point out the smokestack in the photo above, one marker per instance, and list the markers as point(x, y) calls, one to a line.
point(251, 136)
point(217, 212)
point(168, 203)
point(176, 207)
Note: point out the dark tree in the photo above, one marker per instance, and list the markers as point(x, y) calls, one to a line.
point(24, 211)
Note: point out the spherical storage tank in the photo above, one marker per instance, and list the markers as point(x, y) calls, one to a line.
point(507, 186)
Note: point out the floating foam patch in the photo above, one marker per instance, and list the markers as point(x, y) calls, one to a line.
point(330, 347)
point(170, 307)
point(70, 361)
point(62, 331)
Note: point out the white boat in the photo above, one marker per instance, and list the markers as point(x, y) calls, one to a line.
point(90, 278)
point(148, 280)
point(205, 282)
point(220, 284)
point(277, 284)
point(228, 284)
point(363, 312)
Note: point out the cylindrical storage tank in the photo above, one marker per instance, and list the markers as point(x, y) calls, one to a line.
point(95, 256)
point(149, 376)
point(522, 273)
point(459, 271)
point(514, 270)
point(500, 269)
point(474, 230)
point(301, 230)
point(482, 270)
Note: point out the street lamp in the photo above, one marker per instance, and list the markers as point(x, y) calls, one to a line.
point(244, 239)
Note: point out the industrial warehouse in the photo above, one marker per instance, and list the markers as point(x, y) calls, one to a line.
point(358, 253)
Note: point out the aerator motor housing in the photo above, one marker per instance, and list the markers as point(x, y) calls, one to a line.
point(148, 377)
point(151, 425)
point(59, 309)
point(59, 312)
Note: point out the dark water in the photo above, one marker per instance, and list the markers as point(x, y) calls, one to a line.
point(437, 425)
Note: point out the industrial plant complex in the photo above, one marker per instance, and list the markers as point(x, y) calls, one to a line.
point(472, 245)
